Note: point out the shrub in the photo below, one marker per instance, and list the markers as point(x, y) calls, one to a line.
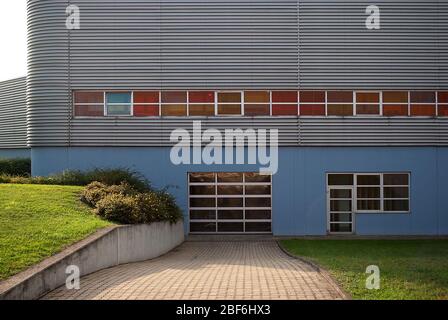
point(119, 208)
point(16, 167)
point(96, 191)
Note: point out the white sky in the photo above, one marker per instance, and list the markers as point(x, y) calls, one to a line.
point(12, 39)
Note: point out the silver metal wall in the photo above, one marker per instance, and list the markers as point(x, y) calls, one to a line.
point(241, 44)
point(13, 114)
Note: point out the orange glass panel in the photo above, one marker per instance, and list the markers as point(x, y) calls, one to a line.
point(201, 97)
point(146, 97)
point(202, 109)
point(312, 96)
point(89, 111)
point(368, 97)
point(340, 110)
point(423, 97)
point(257, 110)
point(423, 110)
point(340, 96)
point(443, 110)
point(442, 97)
point(177, 110)
point(229, 109)
point(284, 110)
point(312, 109)
point(368, 109)
point(89, 97)
point(395, 110)
point(284, 96)
point(174, 97)
point(257, 97)
point(395, 97)
point(229, 97)
point(146, 110)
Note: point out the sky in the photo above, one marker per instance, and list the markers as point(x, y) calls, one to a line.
point(13, 39)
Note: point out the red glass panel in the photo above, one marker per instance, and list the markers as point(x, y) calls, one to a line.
point(423, 97)
point(395, 97)
point(202, 110)
point(284, 109)
point(442, 97)
point(284, 96)
point(146, 97)
point(201, 97)
point(395, 110)
point(146, 110)
point(443, 110)
point(257, 110)
point(229, 97)
point(423, 110)
point(89, 97)
point(312, 109)
point(312, 96)
point(340, 96)
point(89, 111)
point(257, 97)
point(174, 97)
point(367, 109)
point(174, 110)
point(340, 110)
point(368, 97)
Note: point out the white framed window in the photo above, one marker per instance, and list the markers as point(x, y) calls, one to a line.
point(229, 103)
point(118, 103)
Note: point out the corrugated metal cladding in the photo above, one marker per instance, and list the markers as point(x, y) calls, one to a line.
point(241, 44)
point(13, 114)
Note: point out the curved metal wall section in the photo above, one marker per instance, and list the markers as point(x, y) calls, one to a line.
point(13, 114)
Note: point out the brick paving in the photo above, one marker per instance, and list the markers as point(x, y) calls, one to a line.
point(246, 270)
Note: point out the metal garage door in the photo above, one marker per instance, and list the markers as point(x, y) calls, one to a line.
point(230, 202)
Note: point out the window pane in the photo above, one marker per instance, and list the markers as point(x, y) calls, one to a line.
point(341, 205)
point(396, 205)
point(230, 202)
point(423, 97)
point(174, 110)
point(202, 177)
point(368, 109)
point(89, 111)
point(257, 110)
point(442, 97)
point(423, 110)
point(230, 227)
point(258, 214)
point(230, 190)
point(89, 97)
point(368, 97)
point(229, 97)
point(258, 227)
point(202, 190)
point(369, 205)
point(258, 190)
point(340, 110)
point(202, 202)
point(396, 192)
point(284, 110)
point(395, 96)
point(284, 96)
point(312, 109)
point(340, 179)
point(256, 177)
point(146, 110)
point(395, 110)
point(443, 110)
point(396, 179)
point(341, 217)
point(118, 97)
point(341, 227)
point(340, 96)
point(229, 109)
point(174, 97)
point(258, 202)
point(230, 214)
point(202, 214)
point(368, 192)
point(146, 97)
point(341, 193)
point(230, 177)
point(118, 110)
point(201, 97)
point(202, 109)
point(368, 180)
point(203, 227)
point(312, 96)
point(257, 97)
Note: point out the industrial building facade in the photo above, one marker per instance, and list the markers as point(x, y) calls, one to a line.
point(361, 114)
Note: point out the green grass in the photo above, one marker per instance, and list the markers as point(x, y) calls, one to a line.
point(410, 269)
point(37, 221)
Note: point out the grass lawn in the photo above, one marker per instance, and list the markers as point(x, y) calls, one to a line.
point(410, 269)
point(37, 221)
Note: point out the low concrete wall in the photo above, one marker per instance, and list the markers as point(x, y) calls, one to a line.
point(107, 248)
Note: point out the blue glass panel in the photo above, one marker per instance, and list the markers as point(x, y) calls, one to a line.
point(118, 97)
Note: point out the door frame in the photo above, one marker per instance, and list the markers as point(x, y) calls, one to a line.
point(353, 222)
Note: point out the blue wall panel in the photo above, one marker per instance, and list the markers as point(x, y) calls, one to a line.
point(15, 153)
point(299, 187)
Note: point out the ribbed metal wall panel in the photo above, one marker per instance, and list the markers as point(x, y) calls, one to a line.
point(409, 51)
point(13, 114)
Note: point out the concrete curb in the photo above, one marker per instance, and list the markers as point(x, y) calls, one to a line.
point(106, 248)
point(325, 274)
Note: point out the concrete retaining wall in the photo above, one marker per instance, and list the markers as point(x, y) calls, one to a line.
point(107, 248)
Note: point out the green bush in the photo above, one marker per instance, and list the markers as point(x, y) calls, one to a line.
point(119, 208)
point(16, 167)
point(96, 191)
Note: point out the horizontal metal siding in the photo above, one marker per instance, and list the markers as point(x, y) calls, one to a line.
point(13, 114)
point(409, 51)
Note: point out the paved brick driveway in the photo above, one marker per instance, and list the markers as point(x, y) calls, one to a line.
point(249, 270)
